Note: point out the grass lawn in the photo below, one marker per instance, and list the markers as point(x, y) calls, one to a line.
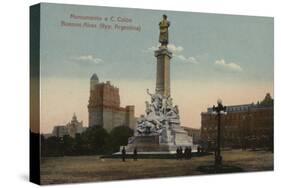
point(76, 169)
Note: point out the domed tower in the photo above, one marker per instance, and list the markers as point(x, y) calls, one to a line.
point(74, 118)
point(93, 82)
point(74, 126)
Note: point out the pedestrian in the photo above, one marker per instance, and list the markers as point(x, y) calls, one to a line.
point(189, 152)
point(135, 154)
point(180, 153)
point(177, 153)
point(123, 154)
point(186, 153)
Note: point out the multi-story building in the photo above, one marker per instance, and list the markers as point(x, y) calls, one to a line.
point(72, 128)
point(104, 106)
point(247, 125)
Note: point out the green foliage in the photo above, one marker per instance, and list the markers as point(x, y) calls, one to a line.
point(119, 137)
point(68, 145)
point(95, 140)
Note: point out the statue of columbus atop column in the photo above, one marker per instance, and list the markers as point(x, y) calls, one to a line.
point(164, 35)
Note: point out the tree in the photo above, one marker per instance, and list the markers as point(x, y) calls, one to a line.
point(53, 146)
point(95, 140)
point(68, 145)
point(80, 145)
point(119, 137)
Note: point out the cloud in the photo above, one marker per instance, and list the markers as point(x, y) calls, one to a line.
point(174, 48)
point(88, 59)
point(191, 60)
point(228, 66)
point(177, 53)
point(152, 48)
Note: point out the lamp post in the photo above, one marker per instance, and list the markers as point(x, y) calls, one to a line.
point(219, 110)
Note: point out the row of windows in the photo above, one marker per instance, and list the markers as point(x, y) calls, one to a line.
point(237, 108)
point(214, 126)
point(226, 117)
point(237, 116)
point(233, 128)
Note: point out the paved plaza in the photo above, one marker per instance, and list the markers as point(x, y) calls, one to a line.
point(76, 169)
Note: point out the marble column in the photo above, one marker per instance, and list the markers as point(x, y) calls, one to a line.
point(163, 56)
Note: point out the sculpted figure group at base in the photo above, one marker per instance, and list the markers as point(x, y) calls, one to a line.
point(160, 114)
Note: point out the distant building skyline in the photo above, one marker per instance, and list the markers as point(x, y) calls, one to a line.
point(71, 129)
point(240, 105)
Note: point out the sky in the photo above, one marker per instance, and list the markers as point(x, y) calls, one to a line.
point(214, 56)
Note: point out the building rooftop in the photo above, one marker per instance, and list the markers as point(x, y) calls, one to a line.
point(267, 102)
point(94, 77)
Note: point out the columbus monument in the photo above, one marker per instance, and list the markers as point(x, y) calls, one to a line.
point(159, 130)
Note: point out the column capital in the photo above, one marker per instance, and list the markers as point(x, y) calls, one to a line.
point(163, 51)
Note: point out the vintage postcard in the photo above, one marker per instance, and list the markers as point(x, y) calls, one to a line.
point(120, 93)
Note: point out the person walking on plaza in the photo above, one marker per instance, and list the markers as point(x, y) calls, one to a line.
point(123, 154)
point(180, 153)
point(186, 152)
point(198, 149)
point(135, 154)
point(189, 152)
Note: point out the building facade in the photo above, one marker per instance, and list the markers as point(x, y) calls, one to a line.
point(104, 106)
point(72, 128)
point(244, 126)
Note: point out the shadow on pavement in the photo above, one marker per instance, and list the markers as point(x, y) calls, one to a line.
point(212, 169)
